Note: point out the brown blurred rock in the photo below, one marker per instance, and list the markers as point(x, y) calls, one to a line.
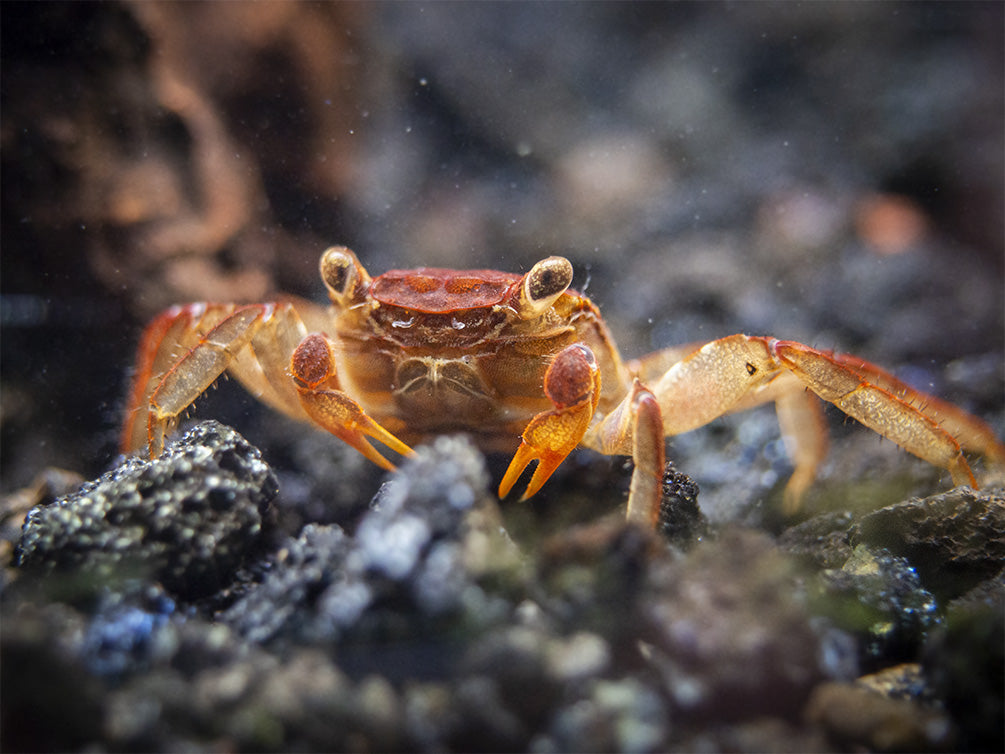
point(858, 717)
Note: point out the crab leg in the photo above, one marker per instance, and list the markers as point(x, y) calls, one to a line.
point(739, 372)
point(804, 433)
point(971, 433)
point(187, 348)
point(911, 427)
point(313, 369)
point(635, 427)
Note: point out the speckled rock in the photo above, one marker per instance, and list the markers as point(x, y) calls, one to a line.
point(681, 520)
point(416, 557)
point(188, 519)
point(711, 622)
point(626, 715)
point(420, 626)
point(255, 701)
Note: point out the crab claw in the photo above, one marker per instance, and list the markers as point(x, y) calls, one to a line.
point(572, 382)
point(313, 369)
point(548, 439)
point(344, 418)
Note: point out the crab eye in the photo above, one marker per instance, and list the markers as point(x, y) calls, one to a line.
point(342, 273)
point(546, 281)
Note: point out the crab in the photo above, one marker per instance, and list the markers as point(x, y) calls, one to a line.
point(524, 364)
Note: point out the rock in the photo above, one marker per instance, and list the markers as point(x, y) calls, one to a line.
point(711, 622)
point(681, 520)
point(904, 681)
point(954, 540)
point(820, 542)
point(50, 700)
point(188, 519)
point(878, 597)
point(48, 484)
point(521, 665)
point(855, 717)
point(302, 572)
point(128, 632)
point(728, 632)
point(610, 715)
point(988, 595)
point(964, 662)
point(414, 563)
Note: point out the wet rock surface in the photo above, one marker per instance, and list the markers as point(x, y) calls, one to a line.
point(188, 519)
point(421, 625)
point(955, 540)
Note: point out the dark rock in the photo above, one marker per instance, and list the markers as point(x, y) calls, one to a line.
point(988, 595)
point(681, 520)
point(258, 702)
point(820, 542)
point(757, 735)
point(955, 540)
point(517, 662)
point(305, 567)
point(50, 700)
point(484, 720)
point(128, 632)
point(965, 664)
point(712, 622)
point(188, 519)
point(594, 576)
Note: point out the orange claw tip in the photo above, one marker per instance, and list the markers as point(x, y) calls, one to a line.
point(363, 446)
point(356, 438)
point(545, 467)
point(523, 456)
point(366, 426)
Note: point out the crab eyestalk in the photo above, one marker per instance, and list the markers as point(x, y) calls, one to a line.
point(542, 285)
point(343, 276)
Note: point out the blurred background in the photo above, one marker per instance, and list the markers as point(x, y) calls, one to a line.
point(825, 172)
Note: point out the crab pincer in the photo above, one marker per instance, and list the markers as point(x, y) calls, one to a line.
point(572, 383)
point(312, 367)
